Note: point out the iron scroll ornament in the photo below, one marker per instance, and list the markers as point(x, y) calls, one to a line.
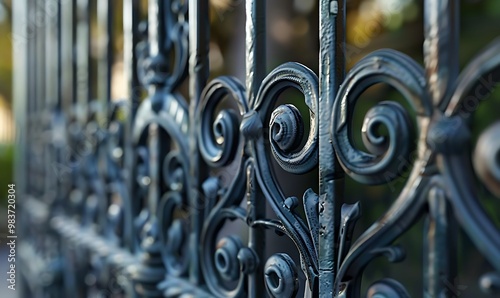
point(229, 259)
point(443, 137)
point(159, 137)
point(294, 160)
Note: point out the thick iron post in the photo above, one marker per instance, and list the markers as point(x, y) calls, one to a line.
point(199, 37)
point(255, 36)
point(51, 55)
point(58, 121)
point(331, 75)
point(52, 96)
point(67, 56)
point(102, 102)
point(38, 35)
point(439, 243)
point(150, 270)
point(34, 44)
point(130, 41)
point(83, 60)
point(105, 60)
point(59, 58)
point(158, 64)
point(441, 29)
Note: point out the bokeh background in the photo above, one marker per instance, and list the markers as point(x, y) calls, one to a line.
point(292, 35)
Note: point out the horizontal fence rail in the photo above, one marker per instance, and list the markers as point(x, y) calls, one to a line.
point(167, 193)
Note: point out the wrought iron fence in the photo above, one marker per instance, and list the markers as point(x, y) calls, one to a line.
point(124, 198)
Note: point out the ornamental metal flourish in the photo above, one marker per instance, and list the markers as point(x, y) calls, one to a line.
point(126, 198)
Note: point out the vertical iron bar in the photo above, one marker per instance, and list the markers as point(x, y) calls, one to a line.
point(256, 210)
point(331, 75)
point(255, 26)
point(150, 270)
point(42, 38)
point(67, 87)
point(74, 58)
point(58, 29)
point(67, 79)
point(255, 35)
point(440, 247)
point(36, 117)
point(130, 39)
point(154, 161)
point(105, 62)
point(51, 55)
point(38, 60)
point(441, 29)
point(105, 21)
point(156, 28)
point(49, 95)
point(57, 118)
point(157, 50)
point(157, 36)
point(199, 37)
point(83, 59)
point(52, 92)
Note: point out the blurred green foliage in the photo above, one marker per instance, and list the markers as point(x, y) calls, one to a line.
point(6, 166)
point(6, 49)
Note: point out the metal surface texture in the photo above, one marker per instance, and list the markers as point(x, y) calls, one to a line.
point(128, 198)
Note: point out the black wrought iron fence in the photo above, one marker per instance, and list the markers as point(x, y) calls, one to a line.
point(126, 198)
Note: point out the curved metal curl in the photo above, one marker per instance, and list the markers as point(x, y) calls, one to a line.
point(387, 288)
point(486, 62)
point(376, 241)
point(401, 72)
point(119, 214)
point(173, 239)
point(218, 138)
point(179, 71)
point(281, 277)
point(172, 118)
point(224, 210)
point(285, 122)
point(382, 165)
point(157, 67)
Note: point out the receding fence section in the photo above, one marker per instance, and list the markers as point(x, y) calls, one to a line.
point(133, 197)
